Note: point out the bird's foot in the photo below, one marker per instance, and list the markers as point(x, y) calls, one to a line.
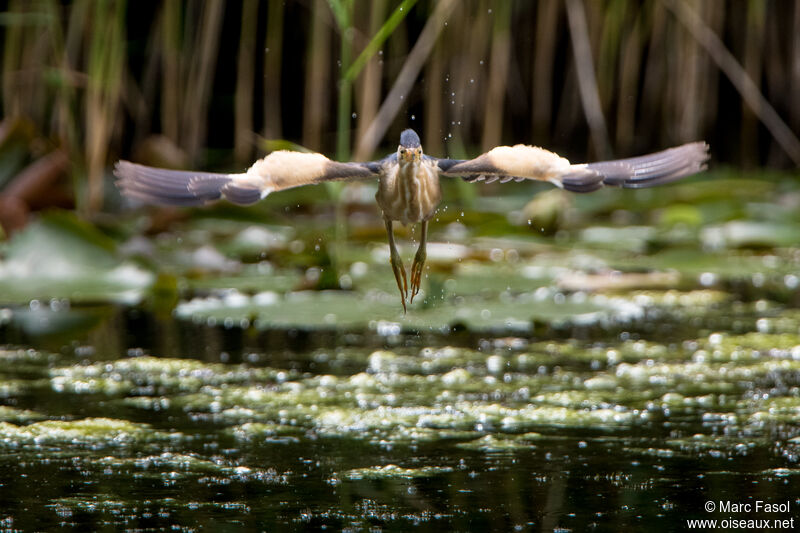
point(416, 272)
point(400, 276)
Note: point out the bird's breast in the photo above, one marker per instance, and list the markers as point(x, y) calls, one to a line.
point(409, 192)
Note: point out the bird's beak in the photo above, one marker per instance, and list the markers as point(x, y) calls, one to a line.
point(411, 155)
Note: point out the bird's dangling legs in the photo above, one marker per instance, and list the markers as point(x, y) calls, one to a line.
point(397, 265)
point(419, 261)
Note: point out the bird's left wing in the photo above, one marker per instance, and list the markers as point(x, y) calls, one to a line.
point(523, 162)
point(279, 170)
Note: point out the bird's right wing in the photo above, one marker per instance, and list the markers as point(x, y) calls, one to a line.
point(278, 171)
point(284, 170)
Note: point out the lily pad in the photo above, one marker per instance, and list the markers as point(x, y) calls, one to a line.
point(376, 309)
point(60, 256)
point(751, 234)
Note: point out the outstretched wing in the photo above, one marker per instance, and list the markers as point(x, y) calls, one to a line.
point(522, 162)
point(279, 170)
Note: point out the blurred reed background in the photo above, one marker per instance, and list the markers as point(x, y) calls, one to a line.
point(214, 84)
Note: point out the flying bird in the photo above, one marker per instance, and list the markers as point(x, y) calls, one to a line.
point(408, 181)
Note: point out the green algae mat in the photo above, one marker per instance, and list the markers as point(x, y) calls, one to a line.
point(630, 362)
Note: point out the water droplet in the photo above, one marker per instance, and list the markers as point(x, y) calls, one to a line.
point(707, 279)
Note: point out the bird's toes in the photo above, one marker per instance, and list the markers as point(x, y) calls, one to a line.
point(416, 279)
point(400, 277)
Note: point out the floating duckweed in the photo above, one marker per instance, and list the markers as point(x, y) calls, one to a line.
point(448, 393)
point(165, 461)
point(601, 382)
point(150, 403)
point(91, 431)
point(12, 414)
point(700, 373)
point(717, 446)
point(752, 345)
point(98, 504)
point(593, 399)
point(572, 352)
point(782, 472)
point(424, 433)
point(531, 416)
point(427, 361)
point(394, 472)
point(674, 298)
point(776, 409)
point(655, 452)
point(13, 387)
point(256, 431)
point(124, 375)
point(501, 443)
point(24, 356)
point(458, 376)
point(179, 465)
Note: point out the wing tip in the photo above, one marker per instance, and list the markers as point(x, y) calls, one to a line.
point(654, 169)
point(123, 169)
point(167, 187)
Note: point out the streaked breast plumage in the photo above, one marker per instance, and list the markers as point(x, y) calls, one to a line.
point(409, 192)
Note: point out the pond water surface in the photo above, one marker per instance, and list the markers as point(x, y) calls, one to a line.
point(620, 377)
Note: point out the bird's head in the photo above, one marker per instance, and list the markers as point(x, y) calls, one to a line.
point(410, 149)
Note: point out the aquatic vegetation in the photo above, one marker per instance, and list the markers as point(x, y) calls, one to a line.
point(502, 444)
point(353, 310)
point(60, 257)
point(176, 466)
point(393, 472)
point(18, 416)
point(94, 432)
point(155, 375)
